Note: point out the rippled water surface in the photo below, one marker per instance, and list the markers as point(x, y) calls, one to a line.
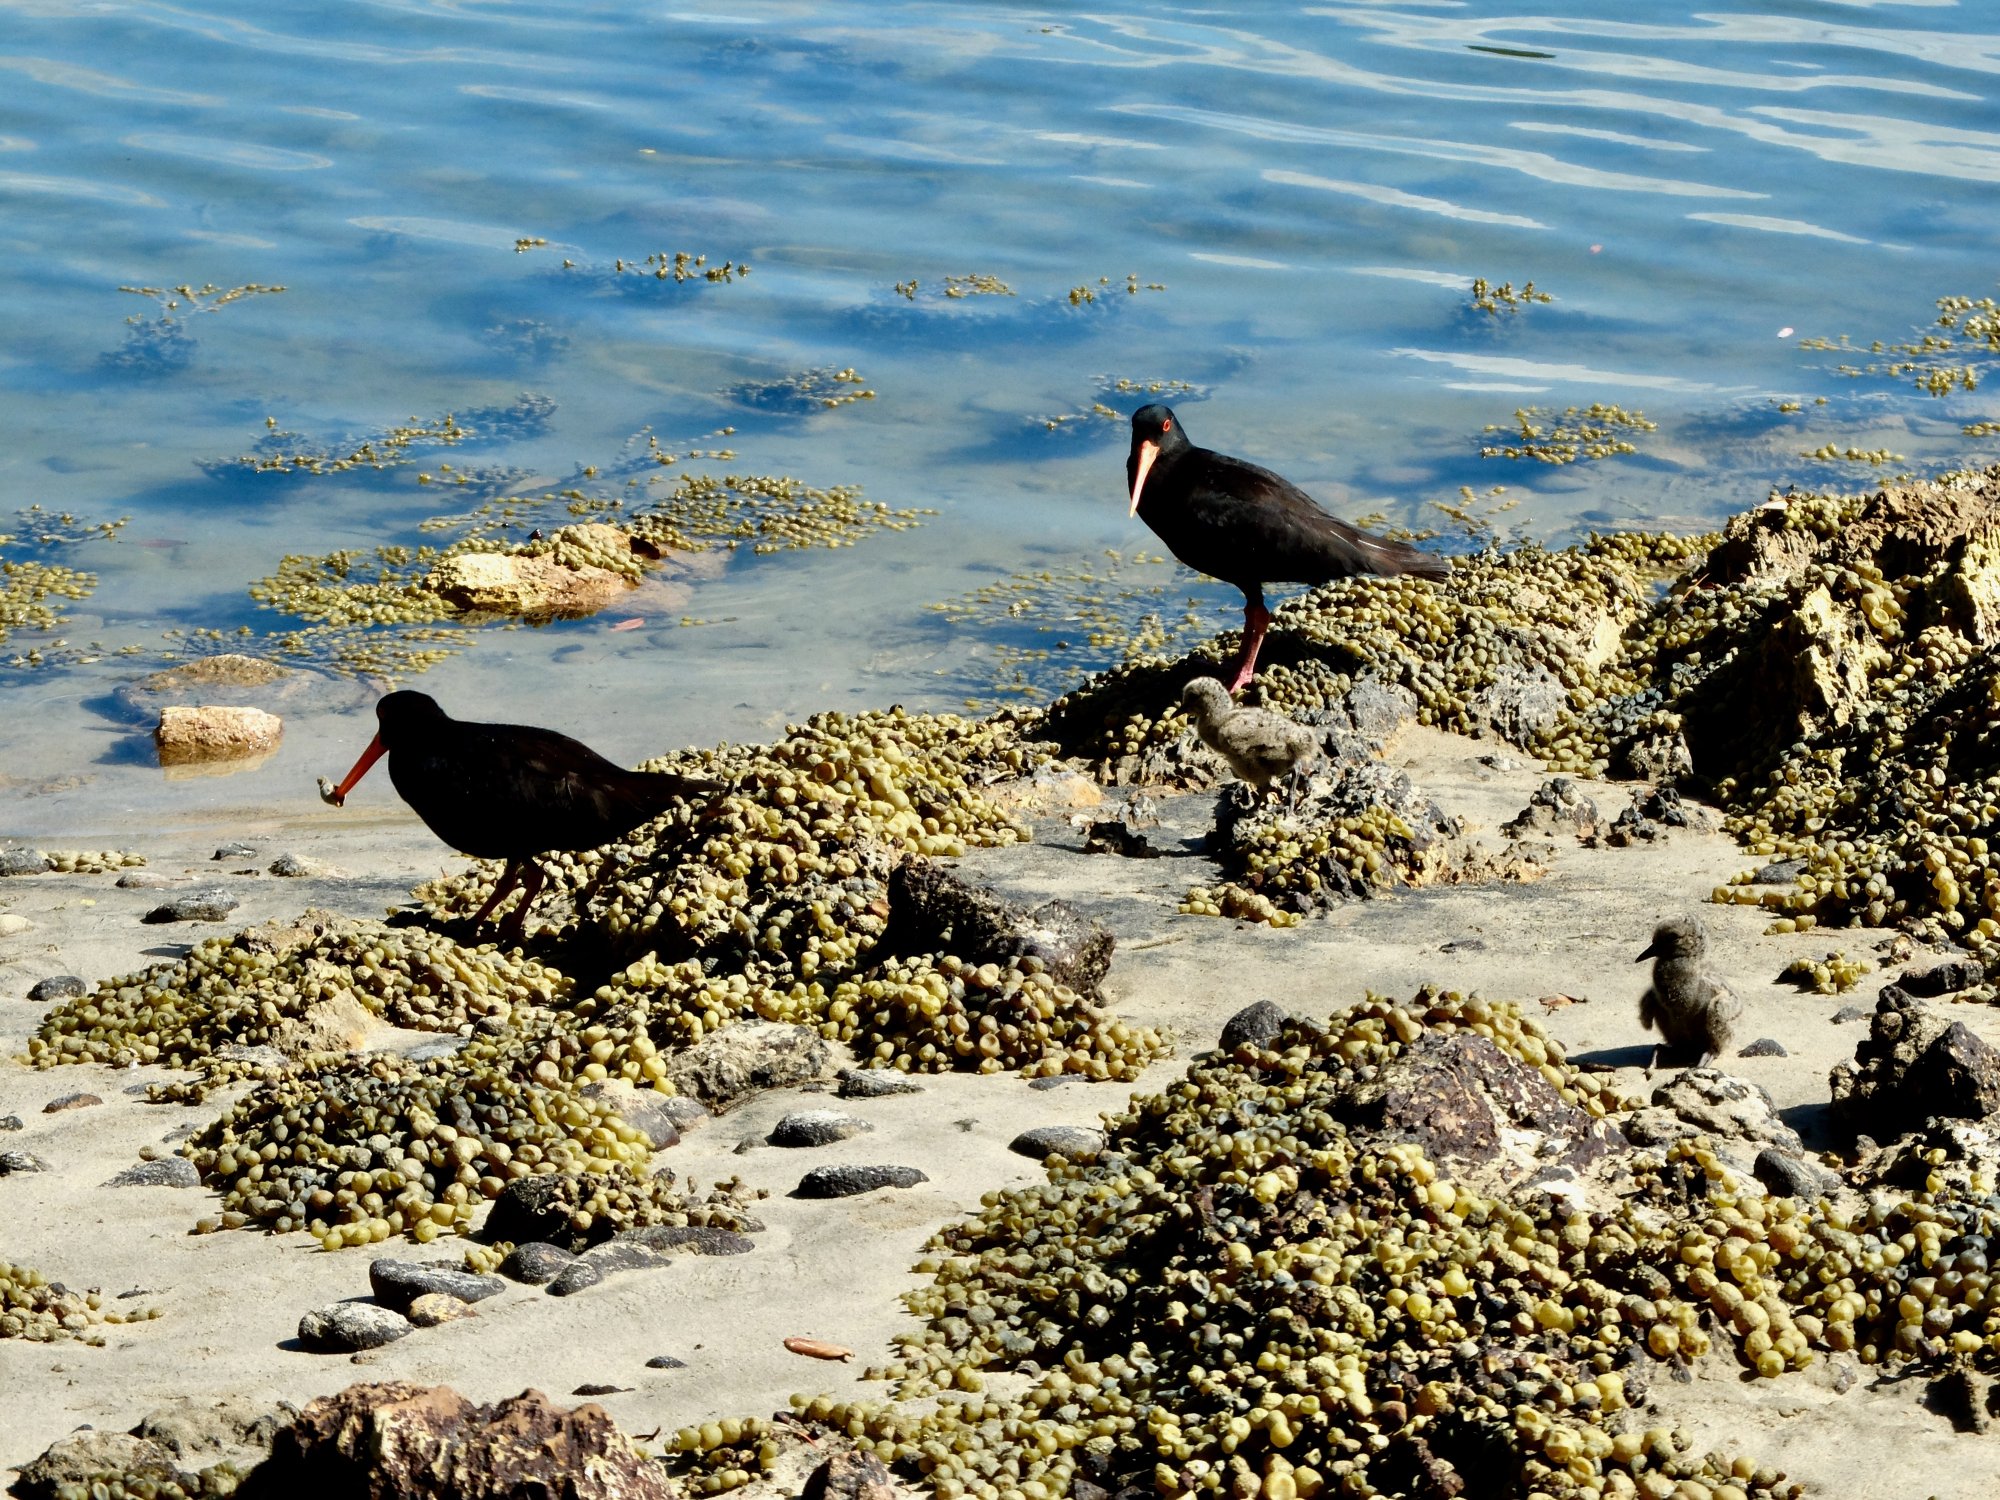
point(1281, 208)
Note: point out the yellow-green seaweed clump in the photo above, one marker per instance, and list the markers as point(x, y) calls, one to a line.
point(42, 1311)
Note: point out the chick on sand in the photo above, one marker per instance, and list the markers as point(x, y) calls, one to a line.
point(1694, 1011)
point(1259, 745)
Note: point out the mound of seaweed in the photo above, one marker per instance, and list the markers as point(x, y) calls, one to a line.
point(1309, 1268)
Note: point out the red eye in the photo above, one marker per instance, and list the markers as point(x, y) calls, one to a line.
point(1168, 425)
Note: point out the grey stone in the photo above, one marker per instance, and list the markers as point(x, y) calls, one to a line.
point(722, 1069)
point(73, 1463)
point(291, 867)
point(874, 1083)
point(169, 1171)
point(847, 1181)
point(1557, 806)
point(234, 851)
point(1764, 1046)
point(11, 1122)
point(816, 1127)
point(933, 910)
point(65, 1102)
point(144, 880)
point(1053, 1081)
point(1519, 704)
point(211, 905)
point(849, 1475)
point(665, 1362)
point(1780, 872)
point(1940, 979)
point(23, 862)
point(1848, 1013)
point(191, 1428)
point(687, 1239)
point(353, 1326)
point(1721, 1105)
point(600, 1261)
point(1256, 1023)
point(1074, 1142)
point(58, 987)
point(1790, 1176)
point(20, 1161)
point(536, 1263)
point(398, 1283)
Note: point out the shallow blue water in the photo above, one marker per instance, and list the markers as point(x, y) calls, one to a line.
point(1314, 189)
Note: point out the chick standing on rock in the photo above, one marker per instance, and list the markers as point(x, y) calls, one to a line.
point(1259, 745)
point(1692, 1008)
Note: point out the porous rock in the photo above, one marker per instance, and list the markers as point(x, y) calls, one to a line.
point(1720, 1105)
point(191, 1428)
point(23, 862)
point(1557, 806)
point(724, 1068)
point(399, 1441)
point(168, 1171)
point(816, 1127)
point(874, 1083)
point(688, 1239)
point(71, 1463)
point(58, 987)
point(211, 905)
point(1255, 1024)
point(511, 584)
point(849, 1181)
point(20, 1161)
point(849, 1475)
point(352, 1326)
point(1073, 1142)
point(1914, 1064)
point(932, 910)
point(196, 736)
point(1940, 979)
point(337, 1023)
point(398, 1283)
point(1519, 704)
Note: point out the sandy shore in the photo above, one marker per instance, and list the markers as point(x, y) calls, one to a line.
point(230, 1302)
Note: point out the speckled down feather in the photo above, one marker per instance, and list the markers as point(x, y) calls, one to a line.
point(1691, 1008)
point(1259, 745)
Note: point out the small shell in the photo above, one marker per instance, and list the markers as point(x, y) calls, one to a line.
point(818, 1349)
point(328, 795)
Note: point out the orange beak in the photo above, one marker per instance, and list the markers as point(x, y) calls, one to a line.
point(338, 796)
point(1148, 451)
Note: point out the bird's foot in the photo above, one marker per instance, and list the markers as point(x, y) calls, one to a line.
point(330, 794)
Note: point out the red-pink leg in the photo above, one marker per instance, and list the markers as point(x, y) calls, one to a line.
point(531, 887)
point(1256, 620)
point(509, 877)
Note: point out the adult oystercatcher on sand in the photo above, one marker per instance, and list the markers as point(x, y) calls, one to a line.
point(509, 791)
point(1247, 526)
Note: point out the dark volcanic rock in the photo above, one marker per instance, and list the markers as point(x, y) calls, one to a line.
point(1848, 1013)
point(1519, 704)
point(1116, 836)
point(398, 1283)
point(1255, 1024)
point(168, 1171)
point(816, 1127)
point(665, 1362)
point(846, 1182)
point(535, 1263)
point(601, 1261)
point(213, 905)
point(58, 987)
point(405, 1442)
point(1940, 979)
point(688, 1239)
point(1914, 1064)
point(722, 1069)
point(72, 1463)
point(850, 1475)
point(1651, 816)
point(353, 1326)
point(1557, 806)
point(1764, 1046)
point(874, 1083)
point(931, 910)
point(1075, 1142)
point(1790, 1176)
point(20, 1161)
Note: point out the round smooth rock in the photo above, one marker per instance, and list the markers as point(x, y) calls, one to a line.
point(816, 1127)
point(433, 1308)
point(874, 1083)
point(1256, 1023)
point(1072, 1142)
point(143, 880)
point(168, 1171)
point(23, 862)
point(70, 1101)
point(847, 1181)
point(398, 1283)
point(13, 925)
point(212, 905)
point(58, 987)
point(535, 1263)
point(353, 1326)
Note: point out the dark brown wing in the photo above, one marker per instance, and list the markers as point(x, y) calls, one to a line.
point(1259, 527)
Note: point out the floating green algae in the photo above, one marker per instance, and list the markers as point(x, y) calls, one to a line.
point(164, 342)
point(32, 583)
point(1495, 300)
point(821, 389)
point(1594, 431)
point(1252, 1292)
point(1949, 357)
point(1123, 389)
point(676, 266)
point(1087, 293)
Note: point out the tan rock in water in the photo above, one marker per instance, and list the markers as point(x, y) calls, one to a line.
point(505, 584)
point(193, 736)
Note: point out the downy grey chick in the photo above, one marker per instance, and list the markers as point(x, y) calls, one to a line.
point(1693, 1009)
point(1259, 745)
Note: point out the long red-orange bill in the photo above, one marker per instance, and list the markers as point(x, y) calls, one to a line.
point(338, 796)
point(1148, 451)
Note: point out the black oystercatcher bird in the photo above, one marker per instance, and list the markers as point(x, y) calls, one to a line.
point(509, 791)
point(1248, 526)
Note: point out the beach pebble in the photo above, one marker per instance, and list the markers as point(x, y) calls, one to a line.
point(58, 987)
point(1764, 1046)
point(1943, 979)
point(686, 1113)
point(688, 1239)
point(212, 905)
point(847, 1181)
point(23, 862)
point(12, 924)
point(70, 1101)
point(189, 735)
point(144, 880)
point(850, 1476)
point(874, 1083)
point(397, 1283)
point(816, 1127)
point(1783, 872)
point(10, 1122)
point(600, 1261)
point(1790, 1176)
point(349, 1326)
point(1073, 1142)
point(21, 1161)
point(535, 1263)
point(291, 867)
point(433, 1308)
point(234, 851)
point(1054, 1081)
point(598, 1388)
point(171, 1171)
point(665, 1362)
point(1848, 1013)
point(1256, 1023)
